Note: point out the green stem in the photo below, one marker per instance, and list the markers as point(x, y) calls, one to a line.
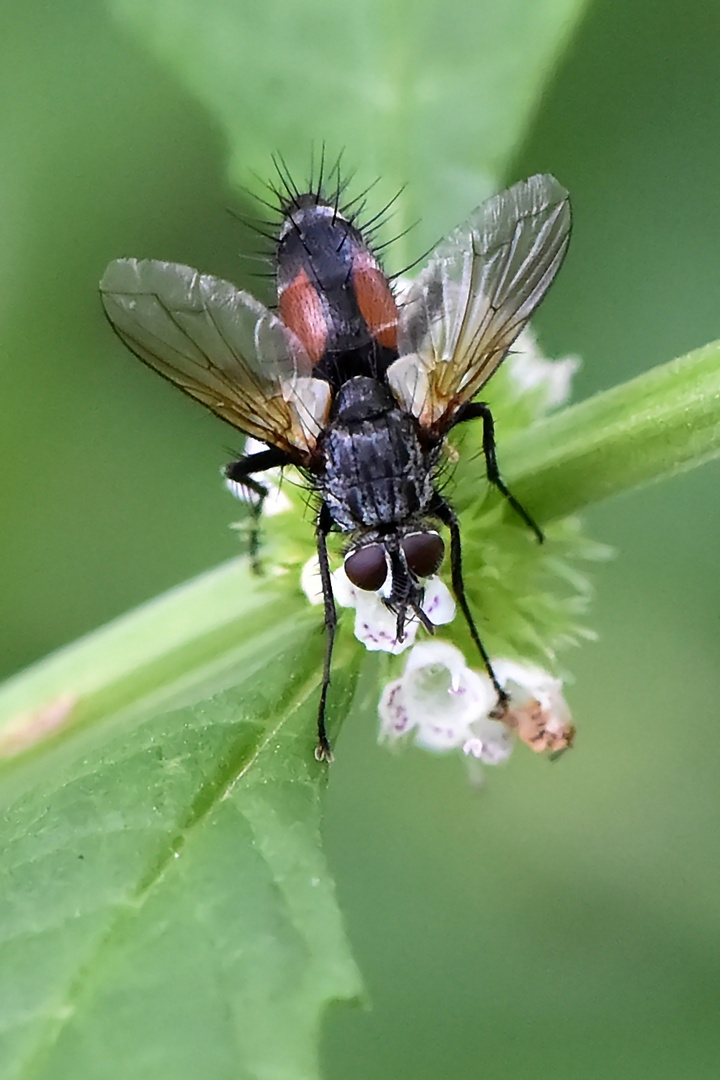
point(169, 639)
point(658, 424)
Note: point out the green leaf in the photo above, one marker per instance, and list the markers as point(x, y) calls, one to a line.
point(436, 96)
point(166, 908)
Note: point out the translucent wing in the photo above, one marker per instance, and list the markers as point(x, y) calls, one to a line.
point(468, 305)
point(219, 345)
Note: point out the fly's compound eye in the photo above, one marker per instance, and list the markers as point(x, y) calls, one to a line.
point(367, 567)
point(423, 552)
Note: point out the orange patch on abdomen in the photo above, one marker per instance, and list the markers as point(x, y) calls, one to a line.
point(375, 302)
point(303, 312)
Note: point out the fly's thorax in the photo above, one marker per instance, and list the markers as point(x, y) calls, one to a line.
point(362, 399)
point(376, 471)
point(332, 292)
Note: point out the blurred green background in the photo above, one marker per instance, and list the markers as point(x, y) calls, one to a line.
point(565, 920)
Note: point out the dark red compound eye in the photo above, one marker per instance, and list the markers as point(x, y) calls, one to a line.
point(424, 553)
point(367, 567)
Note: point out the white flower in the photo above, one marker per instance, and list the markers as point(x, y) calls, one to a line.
point(375, 624)
point(538, 712)
point(530, 370)
point(490, 742)
point(310, 582)
point(276, 501)
point(446, 705)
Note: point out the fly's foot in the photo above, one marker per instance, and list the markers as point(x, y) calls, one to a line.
point(323, 750)
point(503, 704)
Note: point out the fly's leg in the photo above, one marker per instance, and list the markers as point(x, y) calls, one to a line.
point(240, 472)
point(478, 410)
point(444, 511)
point(323, 750)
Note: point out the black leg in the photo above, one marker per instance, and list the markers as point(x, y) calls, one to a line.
point(323, 750)
point(240, 471)
point(446, 514)
point(475, 410)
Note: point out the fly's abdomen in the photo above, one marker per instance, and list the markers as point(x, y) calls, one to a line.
point(333, 294)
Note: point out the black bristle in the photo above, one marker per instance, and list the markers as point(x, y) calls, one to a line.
point(415, 262)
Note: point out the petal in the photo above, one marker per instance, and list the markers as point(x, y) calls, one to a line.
point(491, 741)
point(437, 654)
point(241, 492)
point(538, 728)
point(376, 625)
point(310, 582)
point(438, 736)
point(345, 593)
point(275, 502)
point(524, 681)
point(531, 371)
point(443, 696)
point(394, 718)
point(538, 711)
point(255, 446)
point(438, 603)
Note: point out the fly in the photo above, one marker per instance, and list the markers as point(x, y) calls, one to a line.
point(353, 389)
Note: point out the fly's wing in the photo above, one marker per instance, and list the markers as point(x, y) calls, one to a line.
point(221, 346)
point(465, 309)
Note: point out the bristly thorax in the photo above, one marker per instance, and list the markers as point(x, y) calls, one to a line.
point(376, 473)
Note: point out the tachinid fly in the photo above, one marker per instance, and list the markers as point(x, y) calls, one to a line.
point(352, 388)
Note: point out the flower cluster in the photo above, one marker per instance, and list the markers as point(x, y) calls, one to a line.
point(438, 701)
point(447, 705)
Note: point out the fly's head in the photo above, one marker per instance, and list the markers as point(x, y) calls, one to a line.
point(396, 565)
